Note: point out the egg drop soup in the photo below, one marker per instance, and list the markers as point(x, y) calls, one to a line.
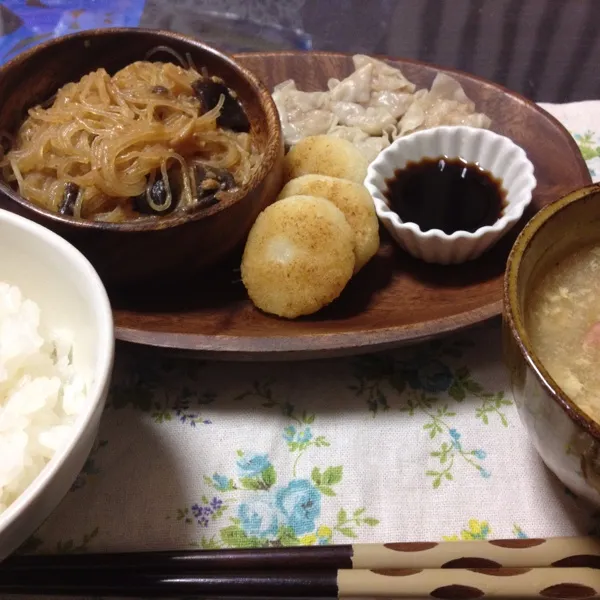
point(563, 323)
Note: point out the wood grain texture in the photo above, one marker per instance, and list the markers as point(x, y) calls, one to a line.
point(394, 299)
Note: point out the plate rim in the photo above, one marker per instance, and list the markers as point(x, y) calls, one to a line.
point(349, 342)
point(344, 342)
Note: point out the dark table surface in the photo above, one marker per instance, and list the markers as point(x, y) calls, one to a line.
point(547, 50)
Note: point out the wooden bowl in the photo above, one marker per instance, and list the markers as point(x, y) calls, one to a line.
point(173, 246)
point(565, 437)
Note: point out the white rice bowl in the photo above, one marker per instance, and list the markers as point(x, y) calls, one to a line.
point(56, 357)
point(41, 393)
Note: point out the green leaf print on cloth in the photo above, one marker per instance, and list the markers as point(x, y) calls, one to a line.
point(589, 146)
point(144, 389)
point(35, 544)
point(258, 507)
point(427, 385)
point(263, 391)
point(90, 468)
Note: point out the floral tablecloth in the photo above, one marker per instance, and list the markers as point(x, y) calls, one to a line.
point(420, 443)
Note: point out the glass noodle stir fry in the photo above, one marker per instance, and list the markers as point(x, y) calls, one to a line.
point(152, 138)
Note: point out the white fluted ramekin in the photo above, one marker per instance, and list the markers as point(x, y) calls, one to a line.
point(495, 153)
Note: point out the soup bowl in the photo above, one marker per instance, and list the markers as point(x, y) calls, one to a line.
point(163, 248)
point(565, 437)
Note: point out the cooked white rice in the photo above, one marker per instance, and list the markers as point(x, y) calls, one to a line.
point(40, 393)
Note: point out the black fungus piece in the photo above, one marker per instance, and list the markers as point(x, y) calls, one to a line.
point(210, 181)
point(67, 206)
point(207, 201)
point(6, 142)
point(159, 197)
point(158, 193)
point(208, 90)
point(160, 90)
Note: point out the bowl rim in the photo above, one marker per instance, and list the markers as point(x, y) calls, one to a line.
point(513, 315)
point(386, 213)
point(264, 100)
point(102, 368)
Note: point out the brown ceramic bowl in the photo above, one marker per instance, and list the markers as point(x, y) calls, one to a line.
point(153, 250)
point(567, 439)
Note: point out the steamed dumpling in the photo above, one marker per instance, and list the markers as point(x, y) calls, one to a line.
point(383, 76)
point(396, 103)
point(373, 106)
point(302, 113)
point(373, 120)
point(325, 155)
point(369, 145)
point(355, 88)
point(444, 104)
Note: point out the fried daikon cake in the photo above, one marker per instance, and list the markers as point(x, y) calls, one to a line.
point(325, 155)
point(353, 200)
point(299, 256)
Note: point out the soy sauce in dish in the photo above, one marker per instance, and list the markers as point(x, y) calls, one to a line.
point(450, 194)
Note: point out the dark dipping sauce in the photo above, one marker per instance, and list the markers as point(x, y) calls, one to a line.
point(446, 193)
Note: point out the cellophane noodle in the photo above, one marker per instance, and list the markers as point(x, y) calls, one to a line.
point(112, 135)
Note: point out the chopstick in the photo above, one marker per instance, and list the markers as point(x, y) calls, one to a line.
point(522, 568)
point(269, 584)
point(521, 583)
point(531, 553)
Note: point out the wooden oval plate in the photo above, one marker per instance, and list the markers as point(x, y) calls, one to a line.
point(395, 299)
